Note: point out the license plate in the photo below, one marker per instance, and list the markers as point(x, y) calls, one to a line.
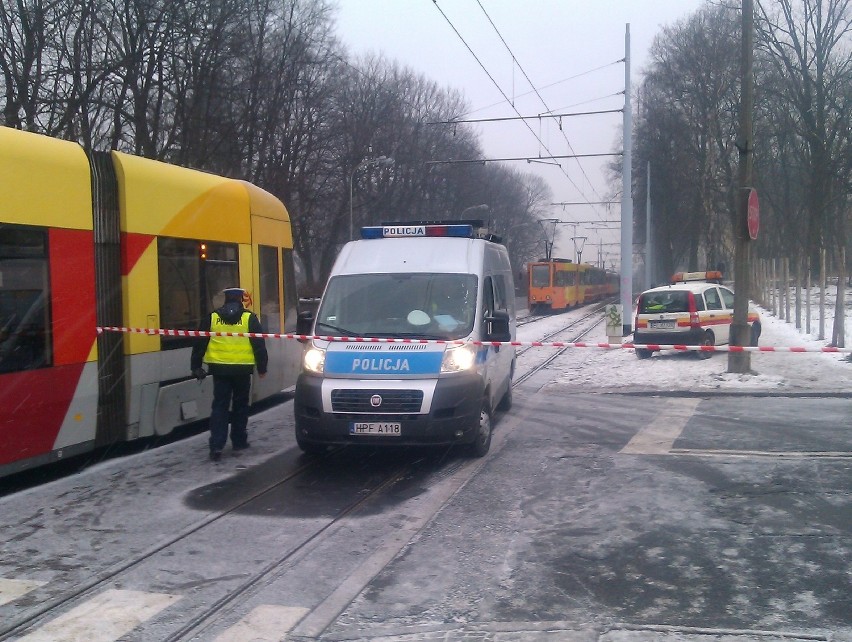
point(384, 428)
point(663, 325)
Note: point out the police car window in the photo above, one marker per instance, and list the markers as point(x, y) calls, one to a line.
point(665, 301)
point(727, 297)
point(711, 297)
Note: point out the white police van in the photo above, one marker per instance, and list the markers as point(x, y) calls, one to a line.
point(431, 283)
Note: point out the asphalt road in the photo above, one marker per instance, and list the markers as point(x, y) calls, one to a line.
point(611, 517)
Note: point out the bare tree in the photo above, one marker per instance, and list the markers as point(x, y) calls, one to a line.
point(809, 58)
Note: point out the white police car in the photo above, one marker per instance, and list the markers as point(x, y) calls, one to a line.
point(695, 309)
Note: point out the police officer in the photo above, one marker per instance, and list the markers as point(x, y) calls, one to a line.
point(231, 361)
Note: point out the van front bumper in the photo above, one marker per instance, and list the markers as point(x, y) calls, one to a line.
point(453, 417)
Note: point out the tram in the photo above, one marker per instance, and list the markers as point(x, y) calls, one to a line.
point(558, 284)
point(109, 239)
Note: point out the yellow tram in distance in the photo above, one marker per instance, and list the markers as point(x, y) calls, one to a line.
point(107, 239)
point(556, 285)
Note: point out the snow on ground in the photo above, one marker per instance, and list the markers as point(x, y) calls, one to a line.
point(778, 372)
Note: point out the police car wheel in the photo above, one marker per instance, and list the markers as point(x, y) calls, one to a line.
point(709, 339)
point(642, 353)
point(482, 441)
point(755, 335)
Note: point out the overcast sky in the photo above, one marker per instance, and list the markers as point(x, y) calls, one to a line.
point(569, 49)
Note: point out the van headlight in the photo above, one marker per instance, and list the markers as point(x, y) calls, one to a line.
point(314, 360)
point(458, 358)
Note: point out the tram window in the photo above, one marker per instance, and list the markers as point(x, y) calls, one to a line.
point(192, 276)
point(24, 313)
point(563, 278)
point(540, 276)
point(219, 270)
point(269, 297)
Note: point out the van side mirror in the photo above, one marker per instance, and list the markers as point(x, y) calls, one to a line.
point(498, 326)
point(304, 322)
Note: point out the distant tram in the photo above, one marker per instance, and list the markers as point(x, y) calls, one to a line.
point(558, 284)
point(109, 239)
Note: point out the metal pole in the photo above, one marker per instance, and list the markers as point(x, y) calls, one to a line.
point(351, 176)
point(627, 200)
point(649, 277)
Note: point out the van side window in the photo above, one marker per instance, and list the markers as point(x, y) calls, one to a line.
point(501, 302)
point(488, 297)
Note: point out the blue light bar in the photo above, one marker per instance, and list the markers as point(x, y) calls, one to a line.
point(461, 230)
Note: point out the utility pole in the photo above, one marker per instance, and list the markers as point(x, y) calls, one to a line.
point(627, 200)
point(649, 276)
point(740, 362)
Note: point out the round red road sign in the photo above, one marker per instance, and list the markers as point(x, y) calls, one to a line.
point(753, 217)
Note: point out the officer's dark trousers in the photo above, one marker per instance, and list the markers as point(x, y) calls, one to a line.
point(230, 391)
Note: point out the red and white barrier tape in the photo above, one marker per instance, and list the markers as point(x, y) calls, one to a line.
point(537, 344)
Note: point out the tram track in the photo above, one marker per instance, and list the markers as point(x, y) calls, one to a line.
point(579, 329)
point(209, 614)
point(84, 589)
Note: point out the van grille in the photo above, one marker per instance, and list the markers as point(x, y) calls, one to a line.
point(393, 401)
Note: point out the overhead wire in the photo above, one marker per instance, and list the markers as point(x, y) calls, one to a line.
point(500, 89)
point(553, 84)
point(540, 97)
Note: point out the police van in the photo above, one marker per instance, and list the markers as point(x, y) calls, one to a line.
point(438, 287)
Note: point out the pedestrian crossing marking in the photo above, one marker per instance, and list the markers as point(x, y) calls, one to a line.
point(658, 437)
point(104, 618)
point(266, 623)
point(11, 590)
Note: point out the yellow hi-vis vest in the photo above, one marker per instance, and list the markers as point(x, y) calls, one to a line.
point(229, 350)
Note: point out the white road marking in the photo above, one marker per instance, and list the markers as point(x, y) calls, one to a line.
point(11, 590)
point(658, 436)
point(266, 623)
point(104, 618)
point(777, 454)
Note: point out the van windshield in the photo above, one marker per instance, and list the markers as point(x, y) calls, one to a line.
point(425, 306)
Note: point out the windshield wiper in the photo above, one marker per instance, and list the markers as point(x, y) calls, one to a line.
point(410, 335)
point(341, 331)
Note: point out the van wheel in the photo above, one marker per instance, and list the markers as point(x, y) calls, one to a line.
point(506, 401)
point(309, 447)
point(642, 353)
point(482, 441)
point(709, 339)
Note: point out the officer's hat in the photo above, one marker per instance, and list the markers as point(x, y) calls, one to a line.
point(233, 294)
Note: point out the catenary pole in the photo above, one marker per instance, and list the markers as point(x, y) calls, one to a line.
point(627, 200)
point(740, 362)
point(649, 277)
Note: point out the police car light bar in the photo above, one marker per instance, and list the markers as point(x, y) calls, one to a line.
point(713, 275)
point(416, 229)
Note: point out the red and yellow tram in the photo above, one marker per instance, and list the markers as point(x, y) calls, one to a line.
point(558, 284)
point(109, 239)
